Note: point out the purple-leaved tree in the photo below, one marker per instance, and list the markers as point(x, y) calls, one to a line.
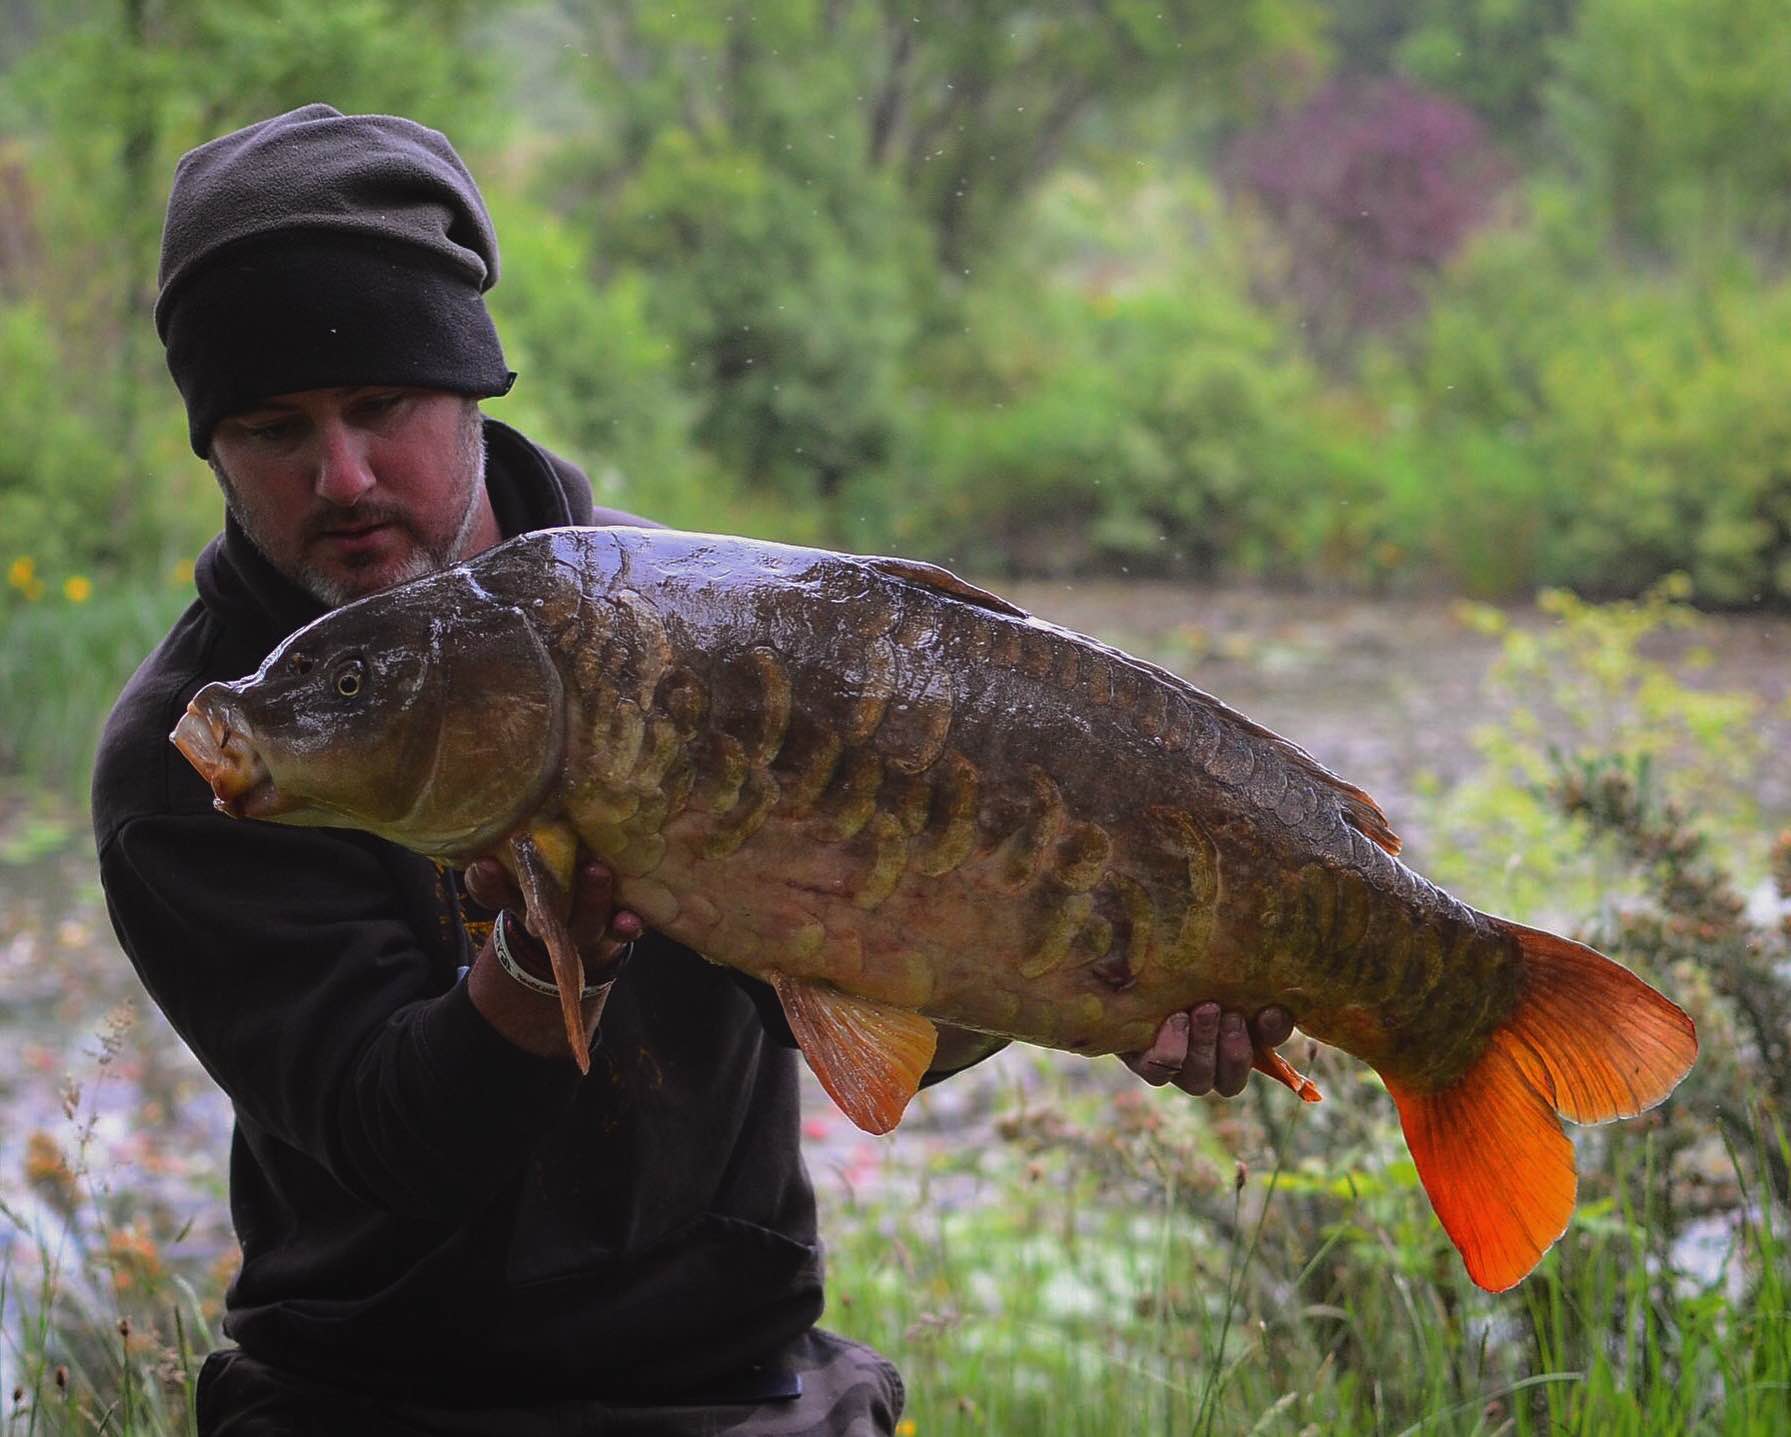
point(1367, 190)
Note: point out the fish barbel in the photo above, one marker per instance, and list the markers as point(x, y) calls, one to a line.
point(899, 799)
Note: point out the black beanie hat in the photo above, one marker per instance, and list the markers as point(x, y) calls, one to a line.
point(318, 250)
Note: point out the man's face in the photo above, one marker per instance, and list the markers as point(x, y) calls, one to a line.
point(349, 491)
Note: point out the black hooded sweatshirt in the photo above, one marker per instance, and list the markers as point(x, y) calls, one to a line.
point(425, 1210)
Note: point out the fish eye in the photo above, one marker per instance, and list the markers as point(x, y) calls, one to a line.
point(350, 677)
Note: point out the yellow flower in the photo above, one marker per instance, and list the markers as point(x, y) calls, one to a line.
point(22, 572)
point(181, 574)
point(78, 588)
point(906, 1427)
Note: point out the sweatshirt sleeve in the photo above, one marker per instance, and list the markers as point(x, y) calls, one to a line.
point(287, 961)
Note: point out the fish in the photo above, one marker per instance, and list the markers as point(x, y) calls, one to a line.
point(903, 801)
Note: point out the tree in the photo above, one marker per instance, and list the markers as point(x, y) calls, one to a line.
point(1369, 188)
point(966, 104)
point(806, 183)
point(117, 90)
point(1674, 113)
point(1494, 56)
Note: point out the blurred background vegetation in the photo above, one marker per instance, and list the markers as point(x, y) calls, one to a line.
point(1472, 294)
point(1383, 301)
point(1464, 295)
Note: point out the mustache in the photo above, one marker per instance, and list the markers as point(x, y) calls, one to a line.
point(337, 521)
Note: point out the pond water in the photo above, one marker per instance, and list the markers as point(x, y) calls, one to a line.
point(1382, 691)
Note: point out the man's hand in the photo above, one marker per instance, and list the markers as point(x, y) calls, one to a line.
point(1205, 1050)
point(600, 931)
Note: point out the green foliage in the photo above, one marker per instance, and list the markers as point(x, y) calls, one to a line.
point(804, 188)
point(603, 380)
point(1494, 55)
point(1675, 112)
point(1612, 431)
point(791, 307)
point(1676, 433)
point(1588, 681)
point(64, 660)
point(965, 108)
point(1143, 413)
point(56, 474)
point(893, 278)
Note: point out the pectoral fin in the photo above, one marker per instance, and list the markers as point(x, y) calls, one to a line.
point(869, 1056)
point(542, 860)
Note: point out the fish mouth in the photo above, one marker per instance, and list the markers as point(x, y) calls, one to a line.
point(241, 785)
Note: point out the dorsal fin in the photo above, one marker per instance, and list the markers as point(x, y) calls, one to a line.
point(931, 576)
point(1360, 811)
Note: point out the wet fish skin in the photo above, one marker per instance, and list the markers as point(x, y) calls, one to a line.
point(891, 794)
point(872, 778)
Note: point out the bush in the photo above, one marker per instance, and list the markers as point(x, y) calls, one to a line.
point(789, 304)
point(1162, 428)
point(1603, 430)
point(1674, 113)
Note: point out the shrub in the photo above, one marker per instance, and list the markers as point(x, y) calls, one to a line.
point(1616, 428)
point(1164, 428)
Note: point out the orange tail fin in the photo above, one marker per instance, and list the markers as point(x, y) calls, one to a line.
point(1589, 1041)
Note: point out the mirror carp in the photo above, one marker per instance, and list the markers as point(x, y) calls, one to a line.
point(899, 799)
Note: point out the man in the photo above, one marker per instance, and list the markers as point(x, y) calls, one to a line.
point(444, 1229)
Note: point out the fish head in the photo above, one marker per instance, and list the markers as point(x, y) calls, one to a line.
point(430, 714)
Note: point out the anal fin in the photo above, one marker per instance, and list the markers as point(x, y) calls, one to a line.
point(869, 1056)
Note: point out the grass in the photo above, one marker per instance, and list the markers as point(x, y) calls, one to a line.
point(102, 1329)
point(62, 663)
point(1056, 1250)
point(1021, 1290)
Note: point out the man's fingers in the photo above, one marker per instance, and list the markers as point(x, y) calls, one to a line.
point(1207, 1050)
point(600, 929)
point(1198, 1068)
point(1272, 1027)
point(1232, 1070)
point(593, 902)
point(1161, 1061)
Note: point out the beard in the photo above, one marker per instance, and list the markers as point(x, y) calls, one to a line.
point(429, 554)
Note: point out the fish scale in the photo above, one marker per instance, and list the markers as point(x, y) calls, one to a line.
point(904, 803)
